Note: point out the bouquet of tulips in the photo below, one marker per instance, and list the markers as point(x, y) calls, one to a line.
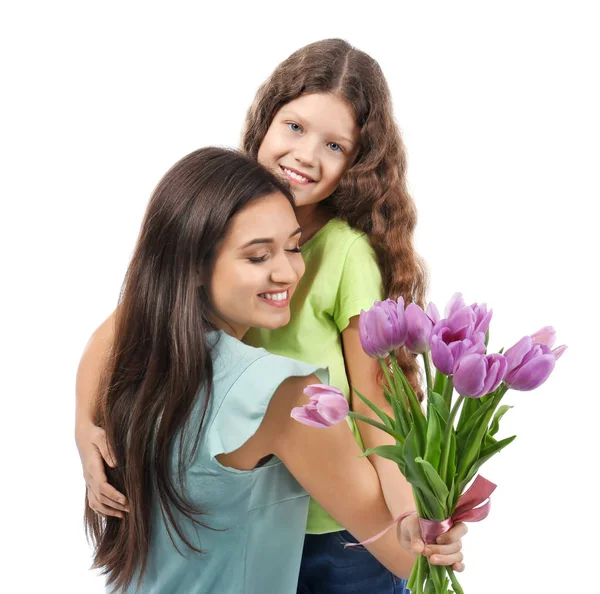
point(441, 446)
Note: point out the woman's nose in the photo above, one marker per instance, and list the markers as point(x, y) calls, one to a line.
point(283, 272)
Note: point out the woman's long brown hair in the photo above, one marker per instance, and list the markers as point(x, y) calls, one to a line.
point(161, 357)
point(372, 195)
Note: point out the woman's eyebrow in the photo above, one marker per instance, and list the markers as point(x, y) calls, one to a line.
point(260, 240)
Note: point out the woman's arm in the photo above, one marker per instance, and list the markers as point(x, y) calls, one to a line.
point(327, 463)
point(91, 440)
point(363, 374)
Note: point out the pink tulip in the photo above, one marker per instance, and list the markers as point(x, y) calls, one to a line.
point(327, 406)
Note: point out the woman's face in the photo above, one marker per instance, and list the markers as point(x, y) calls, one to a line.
point(311, 141)
point(256, 268)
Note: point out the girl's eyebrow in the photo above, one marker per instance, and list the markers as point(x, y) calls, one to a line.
point(298, 117)
point(260, 240)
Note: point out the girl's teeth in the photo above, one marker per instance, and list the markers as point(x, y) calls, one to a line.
point(296, 175)
point(275, 296)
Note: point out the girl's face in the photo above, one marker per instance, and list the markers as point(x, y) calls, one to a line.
point(256, 268)
point(311, 141)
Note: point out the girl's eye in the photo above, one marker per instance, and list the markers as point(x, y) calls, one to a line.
point(295, 250)
point(258, 260)
point(295, 127)
point(335, 147)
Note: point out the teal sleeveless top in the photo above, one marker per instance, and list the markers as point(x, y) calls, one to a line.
point(256, 518)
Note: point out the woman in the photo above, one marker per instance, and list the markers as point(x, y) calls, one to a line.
point(195, 417)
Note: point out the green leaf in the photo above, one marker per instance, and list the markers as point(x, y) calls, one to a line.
point(484, 456)
point(471, 444)
point(437, 485)
point(391, 452)
point(415, 475)
point(496, 420)
point(464, 434)
point(440, 382)
point(439, 404)
point(401, 415)
point(390, 431)
point(470, 407)
point(387, 420)
point(433, 443)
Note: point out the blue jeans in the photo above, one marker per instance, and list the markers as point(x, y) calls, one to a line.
point(328, 568)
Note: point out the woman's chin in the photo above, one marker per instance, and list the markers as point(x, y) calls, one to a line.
point(274, 322)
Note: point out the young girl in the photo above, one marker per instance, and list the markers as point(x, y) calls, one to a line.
point(324, 122)
point(195, 416)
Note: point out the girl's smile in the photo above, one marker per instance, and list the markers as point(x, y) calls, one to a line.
point(311, 142)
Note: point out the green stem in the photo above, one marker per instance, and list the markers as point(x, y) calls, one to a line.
point(427, 372)
point(448, 390)
point(455, 585)
point(447, 433)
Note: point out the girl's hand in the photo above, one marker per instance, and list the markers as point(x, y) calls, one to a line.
point(446, 551)
point(102, 497)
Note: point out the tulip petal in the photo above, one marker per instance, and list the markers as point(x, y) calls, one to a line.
point(456, 302)
point(516, 353)
point(441, 356)
point(433, 313)
point(547, 336)
point(308, 417)
point(316, 390)
point(532, 374)
point(470, 376)
point(333, 408)
point(419, 327)
point(558, 351)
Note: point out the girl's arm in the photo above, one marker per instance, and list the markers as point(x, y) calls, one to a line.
point(327, 463)
point(91, 440)
point(363, 374)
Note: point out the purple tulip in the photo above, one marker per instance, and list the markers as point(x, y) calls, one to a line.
point(382, 329)
point(327, 407)
point(447, 356)
point(531, 361)
point(460, 333)
point(419, 326)
point(478, 375)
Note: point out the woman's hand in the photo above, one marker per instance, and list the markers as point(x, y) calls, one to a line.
point(446, 551)
point(93, 449)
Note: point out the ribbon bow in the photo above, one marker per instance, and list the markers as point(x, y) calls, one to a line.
point(468, 509)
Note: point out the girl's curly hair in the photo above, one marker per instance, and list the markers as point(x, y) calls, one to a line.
point(372, 195)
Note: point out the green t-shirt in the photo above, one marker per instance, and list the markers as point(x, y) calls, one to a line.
point(342, 277)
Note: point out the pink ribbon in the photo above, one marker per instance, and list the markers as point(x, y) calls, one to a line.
point(468, 509)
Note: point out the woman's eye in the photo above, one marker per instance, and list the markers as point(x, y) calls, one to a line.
point(335, 147)
point(295, 250)
point(257, 260)
point(295, 127)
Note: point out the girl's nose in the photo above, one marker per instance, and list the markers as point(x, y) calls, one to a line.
point(305, 152)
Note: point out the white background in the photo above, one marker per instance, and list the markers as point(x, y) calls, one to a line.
point(498, 106)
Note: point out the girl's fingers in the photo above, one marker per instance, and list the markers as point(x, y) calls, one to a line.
point(458, 567)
